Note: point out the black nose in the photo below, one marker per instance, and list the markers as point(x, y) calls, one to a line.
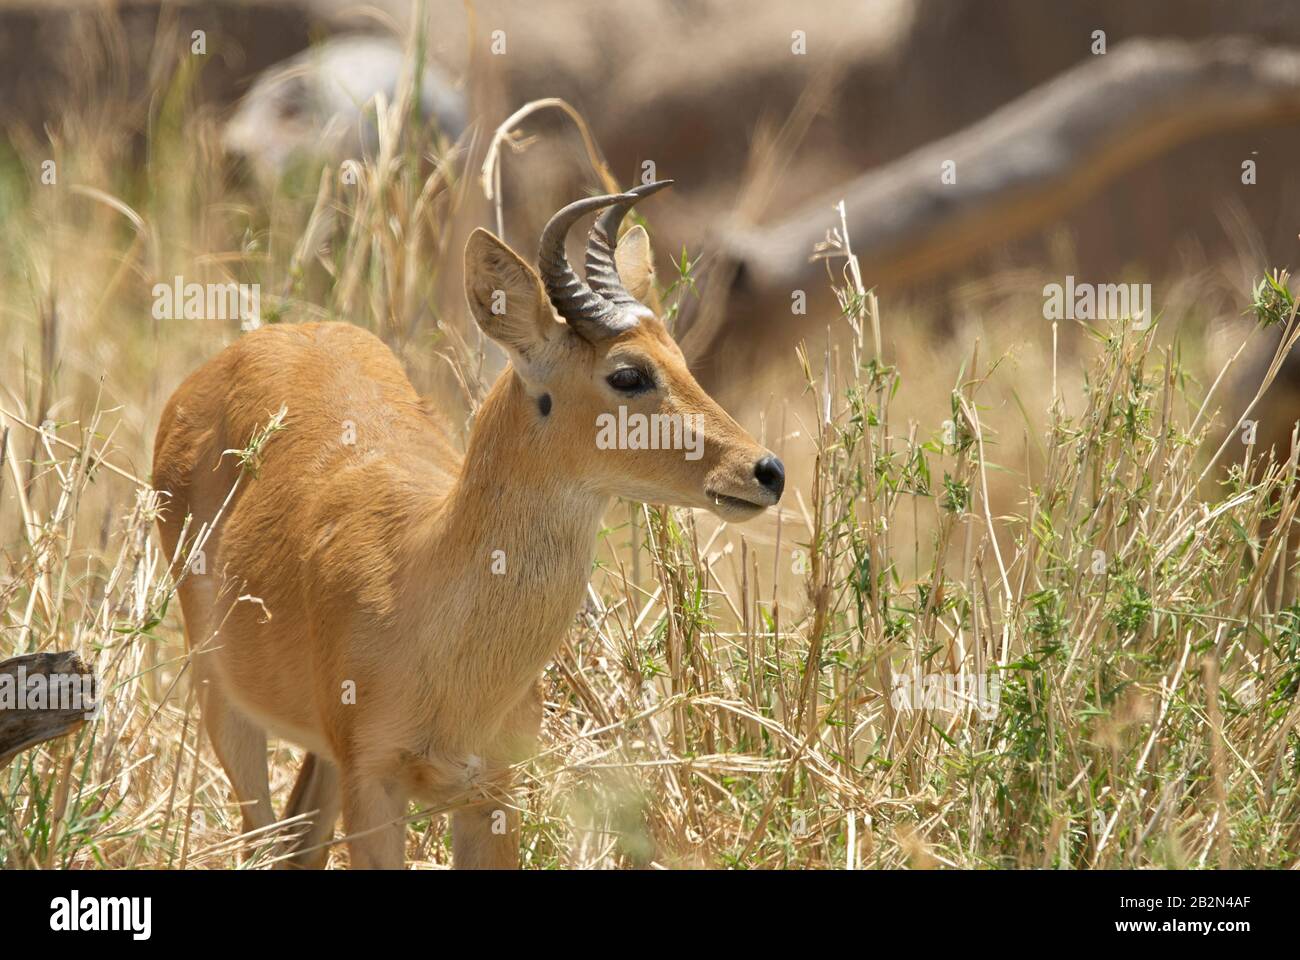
point(770, 472)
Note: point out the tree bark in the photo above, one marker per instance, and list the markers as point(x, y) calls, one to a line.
point(27, 718)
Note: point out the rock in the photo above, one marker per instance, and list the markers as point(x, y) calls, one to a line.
point(320, 104)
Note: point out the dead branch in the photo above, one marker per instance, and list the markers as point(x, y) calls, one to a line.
point(35, 710)
point(1037, 157)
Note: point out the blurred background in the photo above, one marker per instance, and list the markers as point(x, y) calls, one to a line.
point(1104, 140)
point(338, 154)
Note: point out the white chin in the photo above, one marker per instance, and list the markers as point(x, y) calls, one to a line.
point(733, 508)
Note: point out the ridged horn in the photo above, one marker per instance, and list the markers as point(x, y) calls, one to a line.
point(590, 314)
point(602, 268)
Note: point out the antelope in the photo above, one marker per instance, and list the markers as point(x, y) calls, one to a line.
point(408, 597)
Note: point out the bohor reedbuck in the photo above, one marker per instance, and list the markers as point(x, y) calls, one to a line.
point(388, 602)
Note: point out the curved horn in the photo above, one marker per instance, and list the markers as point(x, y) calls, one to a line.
point(590, 314)
point(602, 268)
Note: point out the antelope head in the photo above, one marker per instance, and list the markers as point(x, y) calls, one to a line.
point(608, 391)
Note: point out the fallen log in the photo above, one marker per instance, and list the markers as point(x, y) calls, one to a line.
point(1027, 163)
point(42, 696)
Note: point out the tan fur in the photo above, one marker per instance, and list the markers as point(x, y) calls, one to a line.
point(372, 563)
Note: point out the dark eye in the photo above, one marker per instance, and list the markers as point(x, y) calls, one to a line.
point(629, 380)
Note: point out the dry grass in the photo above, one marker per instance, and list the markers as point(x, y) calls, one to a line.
point(726, 698)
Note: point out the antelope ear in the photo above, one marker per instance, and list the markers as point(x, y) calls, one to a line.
point(506, 296)
point(636, 265)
